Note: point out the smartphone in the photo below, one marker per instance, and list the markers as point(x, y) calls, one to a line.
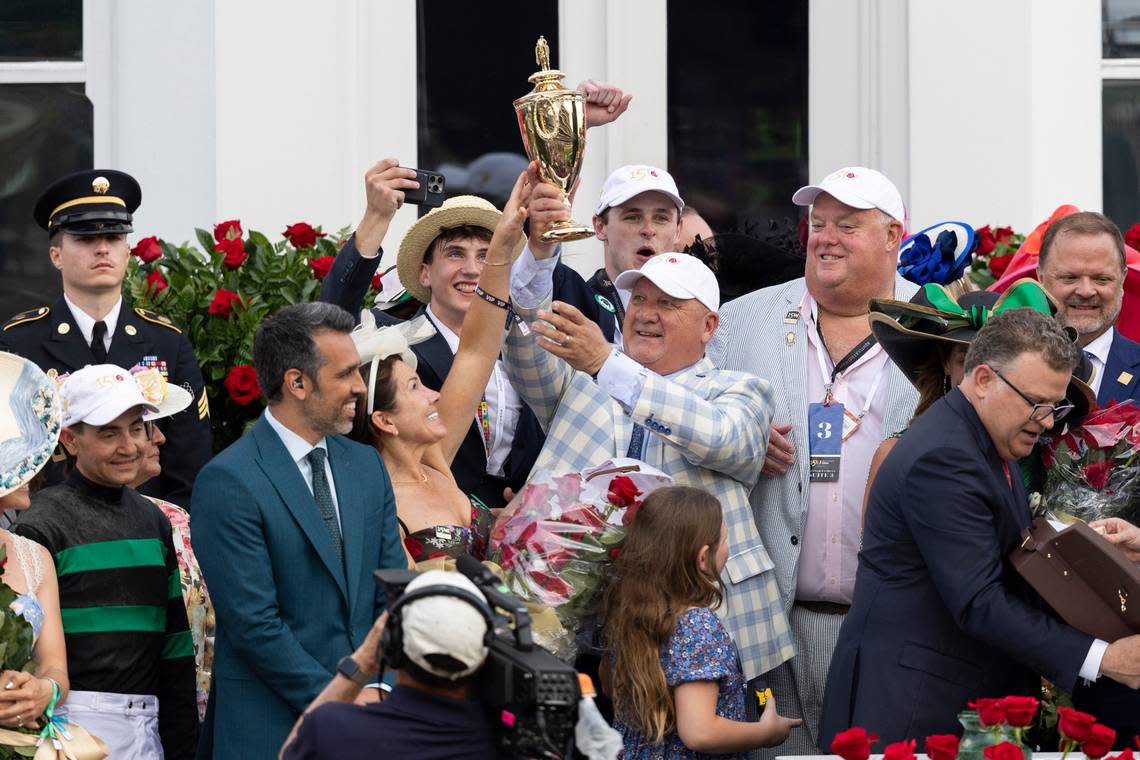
point(430, 191)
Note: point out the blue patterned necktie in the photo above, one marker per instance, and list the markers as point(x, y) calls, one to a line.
point(1092, 366)
point(323, 495)
point(636, 443)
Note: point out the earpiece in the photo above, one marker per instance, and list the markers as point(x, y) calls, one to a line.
point(298, 384)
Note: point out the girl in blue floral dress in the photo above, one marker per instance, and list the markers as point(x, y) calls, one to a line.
point(676, 679)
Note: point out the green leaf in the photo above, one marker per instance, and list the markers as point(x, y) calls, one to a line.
point(205, 239)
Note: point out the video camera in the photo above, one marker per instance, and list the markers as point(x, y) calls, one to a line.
point(530, 696)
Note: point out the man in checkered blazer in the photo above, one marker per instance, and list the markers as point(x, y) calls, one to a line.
point(659, 400)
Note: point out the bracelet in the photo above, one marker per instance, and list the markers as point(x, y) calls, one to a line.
point(511, 315)
point(497, 263)
point(494, 300)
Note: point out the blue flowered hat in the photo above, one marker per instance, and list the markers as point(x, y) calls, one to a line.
point(31, 413)
point(937, 254)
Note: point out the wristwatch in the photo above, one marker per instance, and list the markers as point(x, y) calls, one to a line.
point(350, 669)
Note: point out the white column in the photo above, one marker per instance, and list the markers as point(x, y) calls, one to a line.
point(622, 42)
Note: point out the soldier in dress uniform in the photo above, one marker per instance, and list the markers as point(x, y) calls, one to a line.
point(87, 216)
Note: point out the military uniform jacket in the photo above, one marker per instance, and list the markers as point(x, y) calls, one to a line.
point(51, 338)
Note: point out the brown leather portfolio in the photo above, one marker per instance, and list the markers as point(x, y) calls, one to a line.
point(1084, 578)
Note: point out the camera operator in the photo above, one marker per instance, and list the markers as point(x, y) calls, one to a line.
point(437, 644)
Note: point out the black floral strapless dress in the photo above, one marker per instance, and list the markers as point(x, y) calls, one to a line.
point(451, 540)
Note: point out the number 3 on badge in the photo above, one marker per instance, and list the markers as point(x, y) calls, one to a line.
point(824, 431)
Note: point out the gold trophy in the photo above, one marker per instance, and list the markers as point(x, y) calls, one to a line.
point(552, 121)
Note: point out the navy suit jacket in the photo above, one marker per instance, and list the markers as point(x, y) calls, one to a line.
point(287, 609)
point(939, 615)
point(1113, 703)
point(1121, 372)
point(346, 285)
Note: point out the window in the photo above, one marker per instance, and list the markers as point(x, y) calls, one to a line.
point(1120, 110)
point(737, 94)
point(467, 127)
point(47, 132)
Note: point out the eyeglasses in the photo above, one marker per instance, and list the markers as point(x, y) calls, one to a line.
point(1039, 412)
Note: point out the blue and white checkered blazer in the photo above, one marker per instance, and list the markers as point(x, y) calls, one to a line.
point(753, 337)
point(713, 426)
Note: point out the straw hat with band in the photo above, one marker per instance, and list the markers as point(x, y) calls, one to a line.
point(910, 330)
point(460, 211)
point(31, 415)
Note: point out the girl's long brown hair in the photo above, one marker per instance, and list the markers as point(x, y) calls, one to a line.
point(655, 579)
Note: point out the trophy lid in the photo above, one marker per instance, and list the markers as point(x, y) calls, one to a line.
point(545, 79)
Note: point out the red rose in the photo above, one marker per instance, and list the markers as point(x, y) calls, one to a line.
point(1075, 725)
point(1096, 473)
point(990, 711)
point(227, 230)
point(998, 264)
point(623, 491)
point(1019, 711)
point(1004, 751)
point(615, 553)
point(1126, 753)
point(376, 281)
point(1100, 741)
point(321, 266)
point(241, 384)
point(1132, 236)
point(301, 235)
point(1003, 234)
point(234, 250)
point(552, 583)
point(414, 547)
point(223, 302)
point(156, 283)
point(986, 241)
point(942, 747)
point(903, 750)
point(853, 744)
point(147, 249)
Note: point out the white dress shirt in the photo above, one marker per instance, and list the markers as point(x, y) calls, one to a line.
point(504, 406)
point(86, 324)
point(1098, 356)
point(299, 449)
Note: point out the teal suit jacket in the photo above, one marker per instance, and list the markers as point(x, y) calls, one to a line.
point(286, 609)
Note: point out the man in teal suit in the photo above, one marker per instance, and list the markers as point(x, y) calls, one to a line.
point(288, 524)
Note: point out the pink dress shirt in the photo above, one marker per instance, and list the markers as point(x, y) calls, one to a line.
point(829, 552)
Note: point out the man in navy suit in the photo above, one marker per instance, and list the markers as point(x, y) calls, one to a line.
point(939, 615)
point(288, 524)
point(1082, 265)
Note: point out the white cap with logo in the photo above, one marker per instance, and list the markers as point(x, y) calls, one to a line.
point(857, 187)
point(679, 275)
point(444, 629)
point(628, 181)
point(99, 393)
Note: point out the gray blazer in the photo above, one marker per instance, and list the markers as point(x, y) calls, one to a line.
point(753, 337)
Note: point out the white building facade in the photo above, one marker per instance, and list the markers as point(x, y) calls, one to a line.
point(270, 111)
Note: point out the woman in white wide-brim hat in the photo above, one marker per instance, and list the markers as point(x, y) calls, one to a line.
point(170, 400)
point(30, 419)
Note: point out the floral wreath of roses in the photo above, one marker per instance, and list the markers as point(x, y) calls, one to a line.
point(1078, 730)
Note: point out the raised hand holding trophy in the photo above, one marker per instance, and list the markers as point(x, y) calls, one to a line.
point(552, 121)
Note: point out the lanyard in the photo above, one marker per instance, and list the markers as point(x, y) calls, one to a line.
point(611, 292)
point(852, 356)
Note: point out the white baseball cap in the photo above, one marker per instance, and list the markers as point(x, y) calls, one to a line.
point(857, 187)
point(678, 274)
point(635, 179)
point(99, 393)
point(444, 635)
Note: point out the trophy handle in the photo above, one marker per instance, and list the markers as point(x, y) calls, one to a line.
point(544, 111)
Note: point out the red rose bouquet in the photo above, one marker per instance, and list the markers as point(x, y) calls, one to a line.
point(1092, 471)
point(560, 534)
point(993, 254)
